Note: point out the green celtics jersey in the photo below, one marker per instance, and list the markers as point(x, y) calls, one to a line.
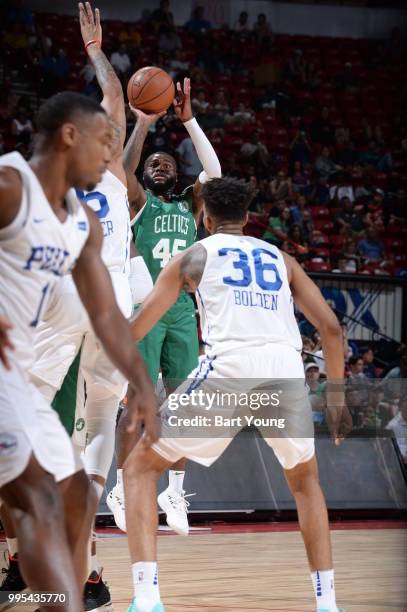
point(163, 229)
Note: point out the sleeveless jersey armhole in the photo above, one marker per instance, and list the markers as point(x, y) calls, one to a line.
point(139, 214)
point(19, 221)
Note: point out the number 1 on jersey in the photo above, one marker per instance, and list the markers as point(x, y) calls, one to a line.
point(162, 251)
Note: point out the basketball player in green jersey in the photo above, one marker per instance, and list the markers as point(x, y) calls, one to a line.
point(164, 225)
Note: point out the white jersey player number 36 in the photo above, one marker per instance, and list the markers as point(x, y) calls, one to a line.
point(162, 250)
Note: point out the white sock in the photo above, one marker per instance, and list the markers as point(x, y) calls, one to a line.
point(145, 582)
point(12, 546)
point(176, 480)
point(324, 589)
point(119, 477)
point(94, 565)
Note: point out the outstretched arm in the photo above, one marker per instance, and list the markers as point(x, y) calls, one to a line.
point(113, 100)
point(184, 271)
point(132, 154)
point(204, 149)
point(95, 289)
point(312, 304)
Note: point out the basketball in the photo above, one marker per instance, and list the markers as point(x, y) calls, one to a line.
point(151, 90)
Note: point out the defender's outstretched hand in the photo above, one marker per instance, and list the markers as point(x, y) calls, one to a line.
point(182, 101)
point(90, 24)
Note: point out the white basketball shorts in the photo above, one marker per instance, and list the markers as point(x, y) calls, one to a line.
point(230, 386)
point(29, 425)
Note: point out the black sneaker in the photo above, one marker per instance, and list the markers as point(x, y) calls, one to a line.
point(96, 595)
point(12, 581)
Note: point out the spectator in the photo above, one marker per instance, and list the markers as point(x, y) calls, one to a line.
point(297, 209)
point(307, 225)
point(399, 371)
point(120, 61)
point(393, 383)
point(300, 148)
point(198, 23)
point(254, 151)
point(130, 37)
point(343, 219)
point(200, 103)
point(320, 192)
point(398, 425)
point(300, 178)
point(261, 28)
point(281, 186)
point(307, 349)
point(221, 105)
point(368, 366)
point(342, 188)
point(277, 229)
point(22, 127)
point(350, 257)
point(178, 64)
point(322, 130)
point(346, 80)
point(242, 24)
point(189, 164)
point(324, 164)
point(371, 156)
point(316, 392)
point(162, 16)
point(370, 248)
point(168, 41)
point(242, 115)
point(356, 367)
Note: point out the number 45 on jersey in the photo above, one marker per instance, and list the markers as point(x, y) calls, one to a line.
point(162, 251)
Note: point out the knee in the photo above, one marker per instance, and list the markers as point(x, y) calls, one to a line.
point(39, 501)
point(303, 478)
point(81, 498)
point(140, 464)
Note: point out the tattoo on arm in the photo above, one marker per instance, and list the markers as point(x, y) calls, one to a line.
point(192, 266)
point(105, 73)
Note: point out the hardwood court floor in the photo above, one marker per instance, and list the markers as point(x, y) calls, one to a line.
point(235, 572)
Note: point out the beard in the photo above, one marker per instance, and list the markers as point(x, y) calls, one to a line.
point(159, 187)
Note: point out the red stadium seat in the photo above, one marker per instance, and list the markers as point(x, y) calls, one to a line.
point(319, 266)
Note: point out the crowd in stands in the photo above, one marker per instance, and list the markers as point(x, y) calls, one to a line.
point(318, 125)
point(376, 397)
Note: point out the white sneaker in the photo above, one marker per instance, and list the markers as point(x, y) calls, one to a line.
point(115, 503)
point(175, 507)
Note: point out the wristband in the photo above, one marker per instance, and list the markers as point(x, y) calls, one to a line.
point(94, 41)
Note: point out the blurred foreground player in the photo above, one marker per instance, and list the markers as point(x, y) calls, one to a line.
point(245, 289)
point(45, 233)
point(93, 386)
point(165, 224)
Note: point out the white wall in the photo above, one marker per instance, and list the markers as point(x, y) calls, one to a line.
point(318, 20)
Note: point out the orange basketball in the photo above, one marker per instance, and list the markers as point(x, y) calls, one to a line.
point(151, 90)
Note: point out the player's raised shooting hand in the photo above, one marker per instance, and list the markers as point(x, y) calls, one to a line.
point(147, 119)
point(90, 24)
point(337, 415)
point(182, 101)
point(142, 408)
point(5, 342)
